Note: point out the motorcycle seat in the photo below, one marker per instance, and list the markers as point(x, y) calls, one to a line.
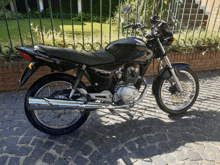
point(97, 58)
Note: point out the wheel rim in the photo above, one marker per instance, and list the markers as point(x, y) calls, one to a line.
point(57, 119)
point(179, 101)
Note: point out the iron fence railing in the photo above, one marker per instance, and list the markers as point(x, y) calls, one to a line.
point(194, 21)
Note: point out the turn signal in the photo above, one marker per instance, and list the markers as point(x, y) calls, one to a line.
point(30, 66)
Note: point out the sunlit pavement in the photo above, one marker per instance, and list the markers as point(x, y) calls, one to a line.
point(143, 135)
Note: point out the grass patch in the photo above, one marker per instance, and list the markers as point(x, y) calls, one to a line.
point(48, 36)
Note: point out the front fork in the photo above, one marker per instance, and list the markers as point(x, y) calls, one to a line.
point(170, 66)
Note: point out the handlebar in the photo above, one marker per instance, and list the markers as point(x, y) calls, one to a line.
point(128, 26)
point(157, 30)
point(134, 26)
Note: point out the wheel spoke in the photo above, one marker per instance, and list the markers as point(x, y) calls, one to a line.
point(57, 119)
point(179, 101)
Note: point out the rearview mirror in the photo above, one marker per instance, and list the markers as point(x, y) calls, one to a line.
point(126, 9)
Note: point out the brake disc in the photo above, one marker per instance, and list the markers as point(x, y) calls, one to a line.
point(181, 96)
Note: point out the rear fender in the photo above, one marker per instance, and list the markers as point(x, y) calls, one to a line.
point(32, 67)
point(165, 73)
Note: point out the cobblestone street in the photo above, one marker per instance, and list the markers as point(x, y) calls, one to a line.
point(143, 135)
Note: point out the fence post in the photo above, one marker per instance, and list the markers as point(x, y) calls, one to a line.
point(79, 6)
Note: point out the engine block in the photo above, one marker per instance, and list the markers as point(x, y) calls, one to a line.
point(131, 75)
point(125, 93)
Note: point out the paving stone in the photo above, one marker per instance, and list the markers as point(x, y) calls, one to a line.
point(207, 156)
point(151, 139)
point(25, 140)
point(141, 153)
point(86, 150)
point(128, 160)
point(102, 163)
point(47, 145)
point(206, 163)
point(1, 150)
point(95, 157)
point(217, 158)
point(23, 151)
point(11, 149)
point(105, 150)
point(161, 137)
point(141, 142)
point(80, 160)
point(120, 162)
point(29, 161)
point(70, 154)
point(181, 155)
point(159, 160)
point(49, 158)
point(76, 145)
point(194, 156)
point(37, 143)
point(130, 146)
point(11, 141)
point(169, 158)
point(192, 163)
point(152, 150)
point(142, 162)
point(59, 149)
point(14, 161)
point(3, 159)
point(174, 137)
point(37, 153)
point(62, 161)
point(31, 132)
point(198, 146)
point(212, 148)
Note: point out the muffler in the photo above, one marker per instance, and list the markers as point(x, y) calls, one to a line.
point(59, 104)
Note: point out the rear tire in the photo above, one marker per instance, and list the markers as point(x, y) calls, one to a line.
point(168, 102)
point(57, 85)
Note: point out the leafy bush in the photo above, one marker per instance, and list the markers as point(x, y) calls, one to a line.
point(199, 40)
point(10, 15)
point(138, 7)
point(87, 17)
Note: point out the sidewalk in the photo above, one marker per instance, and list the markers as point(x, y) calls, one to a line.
point(144, 135)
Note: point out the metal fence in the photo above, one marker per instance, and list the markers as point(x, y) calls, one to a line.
point(195, 22)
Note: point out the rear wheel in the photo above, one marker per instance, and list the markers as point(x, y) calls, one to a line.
point(55, 122)
point(168, 97)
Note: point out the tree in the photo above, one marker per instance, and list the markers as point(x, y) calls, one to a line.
point(6, 2)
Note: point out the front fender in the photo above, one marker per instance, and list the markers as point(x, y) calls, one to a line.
point(165, 73)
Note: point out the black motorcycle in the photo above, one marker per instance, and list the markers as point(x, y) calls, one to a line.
point(59, 103)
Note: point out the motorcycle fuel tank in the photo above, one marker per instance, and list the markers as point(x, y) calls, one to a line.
point(127, 49)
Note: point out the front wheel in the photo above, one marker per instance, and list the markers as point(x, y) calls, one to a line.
point(168, 97)
point(55, 122)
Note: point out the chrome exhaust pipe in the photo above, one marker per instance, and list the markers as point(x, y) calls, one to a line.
point(59, 104)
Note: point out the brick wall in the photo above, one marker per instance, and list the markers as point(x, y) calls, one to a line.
point(11, 73)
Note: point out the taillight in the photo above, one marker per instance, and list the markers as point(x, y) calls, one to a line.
point(25, 55)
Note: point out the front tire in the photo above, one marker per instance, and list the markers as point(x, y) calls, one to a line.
point(170, 100)
point(55, 122)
